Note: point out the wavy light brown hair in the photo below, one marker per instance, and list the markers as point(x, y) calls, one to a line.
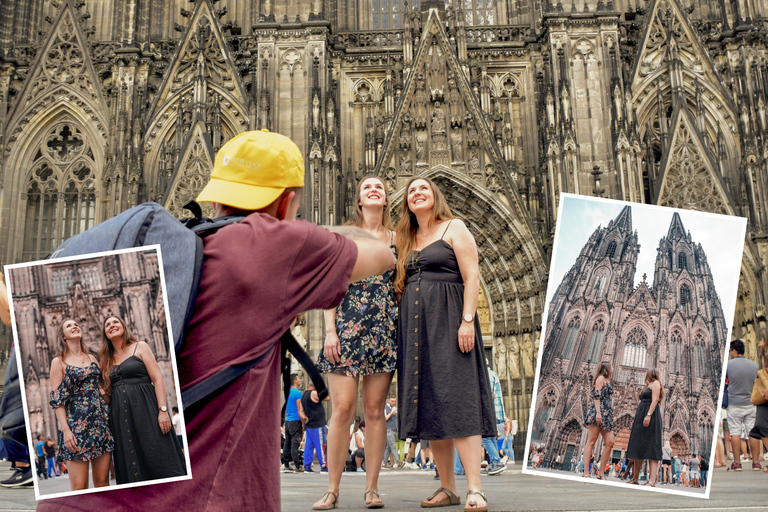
point(63, 348)
point(653, 375)
point(107, 353)
point(605, 370)
point(357, 213)
point(408, 226)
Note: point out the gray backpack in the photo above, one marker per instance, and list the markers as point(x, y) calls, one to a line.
point(182, 249)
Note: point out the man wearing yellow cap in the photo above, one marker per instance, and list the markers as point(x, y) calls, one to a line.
point(257, 276)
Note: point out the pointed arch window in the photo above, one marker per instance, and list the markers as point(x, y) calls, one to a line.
point(477, 12)
point(676, 352)
point(61, 191)
point(610, 251)
point(682, 261)
point(90, 277)
point(699, 356)
point(685, 296)
point(389, 14)
point(596, 341)
point(706, 427)
point(635, 348)
point(570, 338)
point(62, 280)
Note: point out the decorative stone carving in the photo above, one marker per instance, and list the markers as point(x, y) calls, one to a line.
point(457, 144)
point(689, 179)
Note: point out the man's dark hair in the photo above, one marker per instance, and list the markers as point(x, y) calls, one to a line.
point(175, 409)
point(738, 346)
point(294, 378)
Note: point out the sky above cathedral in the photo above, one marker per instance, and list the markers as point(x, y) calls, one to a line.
point(722, 238)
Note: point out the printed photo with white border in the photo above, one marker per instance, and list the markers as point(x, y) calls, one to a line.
point(637, 323)
point(99, 381)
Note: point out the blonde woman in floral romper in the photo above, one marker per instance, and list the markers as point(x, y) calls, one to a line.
point(361, 341)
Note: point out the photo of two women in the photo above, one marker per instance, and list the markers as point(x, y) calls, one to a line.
point(99, 377)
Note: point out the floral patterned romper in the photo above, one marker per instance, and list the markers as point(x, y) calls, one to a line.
point(366, 323)
point(87, 414)
point(605, 396)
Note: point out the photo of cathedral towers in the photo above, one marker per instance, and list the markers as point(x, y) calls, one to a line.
point(612, 299)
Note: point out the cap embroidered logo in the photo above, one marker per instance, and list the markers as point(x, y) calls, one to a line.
point(226, 160)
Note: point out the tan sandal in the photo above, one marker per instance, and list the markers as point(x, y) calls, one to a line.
point(472, 501)
point(374, 502)
point(450, 499)
point(323, 503)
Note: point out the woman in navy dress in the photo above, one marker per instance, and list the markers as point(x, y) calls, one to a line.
point(145, 446)
point(361, 343)
point(443, 384)
point(599, 420)
point(645, 438)
point(84, 436)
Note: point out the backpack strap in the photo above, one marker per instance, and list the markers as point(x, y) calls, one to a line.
point(221, 378)
point(306, 362)
point(202, 228)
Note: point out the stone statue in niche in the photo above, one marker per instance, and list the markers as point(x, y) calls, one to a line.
point(421, 140)
point(438, 120)
point(379, 129)
point(501, 359)
point(419, 102)
point(316, 111)
point(474, 163)
point(514, 358)
point(551, 110)
point(415, 20)
point(498, 124)
point(405, 162)
point(405, 132)
point(472, 137)
point(749, 337)
point(458, 150)
point(527, 355)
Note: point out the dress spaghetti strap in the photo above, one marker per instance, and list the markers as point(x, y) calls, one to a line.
point(134, 348)
point(446, 228)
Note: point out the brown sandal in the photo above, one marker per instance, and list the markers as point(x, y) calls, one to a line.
point(374, 502)
point(323, 505)
point(450, 499)
point(471, 500)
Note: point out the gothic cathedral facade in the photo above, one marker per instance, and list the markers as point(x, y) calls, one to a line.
point(105, 104)
point(676, 325)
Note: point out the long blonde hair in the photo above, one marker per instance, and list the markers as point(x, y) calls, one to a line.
point(408, 226)
point(107, 353)
point(63, 347)
point(357, 213)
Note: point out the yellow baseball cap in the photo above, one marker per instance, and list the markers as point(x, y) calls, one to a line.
point(252, 170)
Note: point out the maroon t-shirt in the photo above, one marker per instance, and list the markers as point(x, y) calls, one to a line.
point(257, 276)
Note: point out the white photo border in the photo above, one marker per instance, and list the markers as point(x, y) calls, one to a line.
point(545, 314)
point(171, 351)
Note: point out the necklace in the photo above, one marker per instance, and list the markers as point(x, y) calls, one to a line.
point(425, 236)
point(81, 358)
